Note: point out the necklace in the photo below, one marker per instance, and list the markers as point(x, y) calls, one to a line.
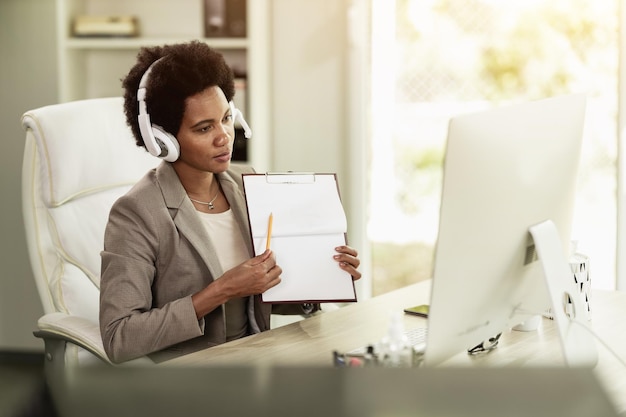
point(210, 203)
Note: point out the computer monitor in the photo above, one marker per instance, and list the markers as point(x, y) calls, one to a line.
point(505, 170)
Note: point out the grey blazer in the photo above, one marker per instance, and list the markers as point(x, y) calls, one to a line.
point(156, 255)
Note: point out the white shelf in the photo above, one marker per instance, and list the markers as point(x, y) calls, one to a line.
point(136, 43)
point(93, 67)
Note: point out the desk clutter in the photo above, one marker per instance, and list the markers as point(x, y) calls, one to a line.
point(405, 357)
point(579, 264)
point(400, 348)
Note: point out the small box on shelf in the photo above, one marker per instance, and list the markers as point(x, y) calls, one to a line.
point(105, 26)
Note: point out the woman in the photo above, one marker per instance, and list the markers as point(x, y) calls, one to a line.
point(178, 271)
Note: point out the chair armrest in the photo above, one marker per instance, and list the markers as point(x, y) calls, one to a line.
point(73, 329)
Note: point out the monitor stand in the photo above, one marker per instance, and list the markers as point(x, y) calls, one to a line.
point(577, 342)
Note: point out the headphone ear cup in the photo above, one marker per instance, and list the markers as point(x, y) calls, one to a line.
point(166, 142)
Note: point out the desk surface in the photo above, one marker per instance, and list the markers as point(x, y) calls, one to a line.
point(312, 341)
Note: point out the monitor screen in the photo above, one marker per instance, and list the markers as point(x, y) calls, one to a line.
point(505, 170)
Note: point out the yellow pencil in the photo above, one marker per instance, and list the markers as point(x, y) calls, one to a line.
point(269, 231)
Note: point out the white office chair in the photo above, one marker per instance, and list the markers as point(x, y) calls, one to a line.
point(79, 158)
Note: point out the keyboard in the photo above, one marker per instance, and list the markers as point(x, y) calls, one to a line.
point(415, 336)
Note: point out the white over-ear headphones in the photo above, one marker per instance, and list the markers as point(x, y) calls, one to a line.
point(238, 117)
point(159, 142)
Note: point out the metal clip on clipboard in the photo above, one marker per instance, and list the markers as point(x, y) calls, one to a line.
point(290, 177)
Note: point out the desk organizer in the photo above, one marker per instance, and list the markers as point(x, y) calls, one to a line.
point(579, 264)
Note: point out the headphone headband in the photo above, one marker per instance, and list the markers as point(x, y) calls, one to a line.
point(158, 142)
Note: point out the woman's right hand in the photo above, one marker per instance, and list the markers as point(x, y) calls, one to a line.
point(255, 276)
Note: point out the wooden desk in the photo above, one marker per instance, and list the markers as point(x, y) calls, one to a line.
point(312, 341)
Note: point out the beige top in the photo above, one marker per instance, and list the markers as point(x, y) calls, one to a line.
point(231, 251)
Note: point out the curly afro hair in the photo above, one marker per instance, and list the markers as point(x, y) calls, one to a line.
point(185, 70)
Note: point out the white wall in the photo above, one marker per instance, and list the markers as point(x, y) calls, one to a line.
point(27, 80)
point(308, 66)
point(312, 80)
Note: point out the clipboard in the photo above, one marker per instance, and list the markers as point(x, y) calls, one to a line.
point(308, 223)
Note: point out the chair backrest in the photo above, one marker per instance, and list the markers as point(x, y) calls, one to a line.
point(79, 158)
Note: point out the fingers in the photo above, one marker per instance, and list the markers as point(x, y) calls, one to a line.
point(262, 257)
point(270, 270)
point(254, 276)
point(347, 255)
point(274, 282)
point(348, 261)
point(349, 268)
point(263, 262)
point(347, 250)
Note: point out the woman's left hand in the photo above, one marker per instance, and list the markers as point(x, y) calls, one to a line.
point(348, 259)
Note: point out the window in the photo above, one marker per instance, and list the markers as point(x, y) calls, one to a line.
point(432, 59)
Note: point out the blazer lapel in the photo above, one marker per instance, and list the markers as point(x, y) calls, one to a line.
point(188, 222)
point(237, 203)
point(184, 216)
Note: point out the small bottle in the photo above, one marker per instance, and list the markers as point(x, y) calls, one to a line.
point(395, 350)
point(370, 357)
